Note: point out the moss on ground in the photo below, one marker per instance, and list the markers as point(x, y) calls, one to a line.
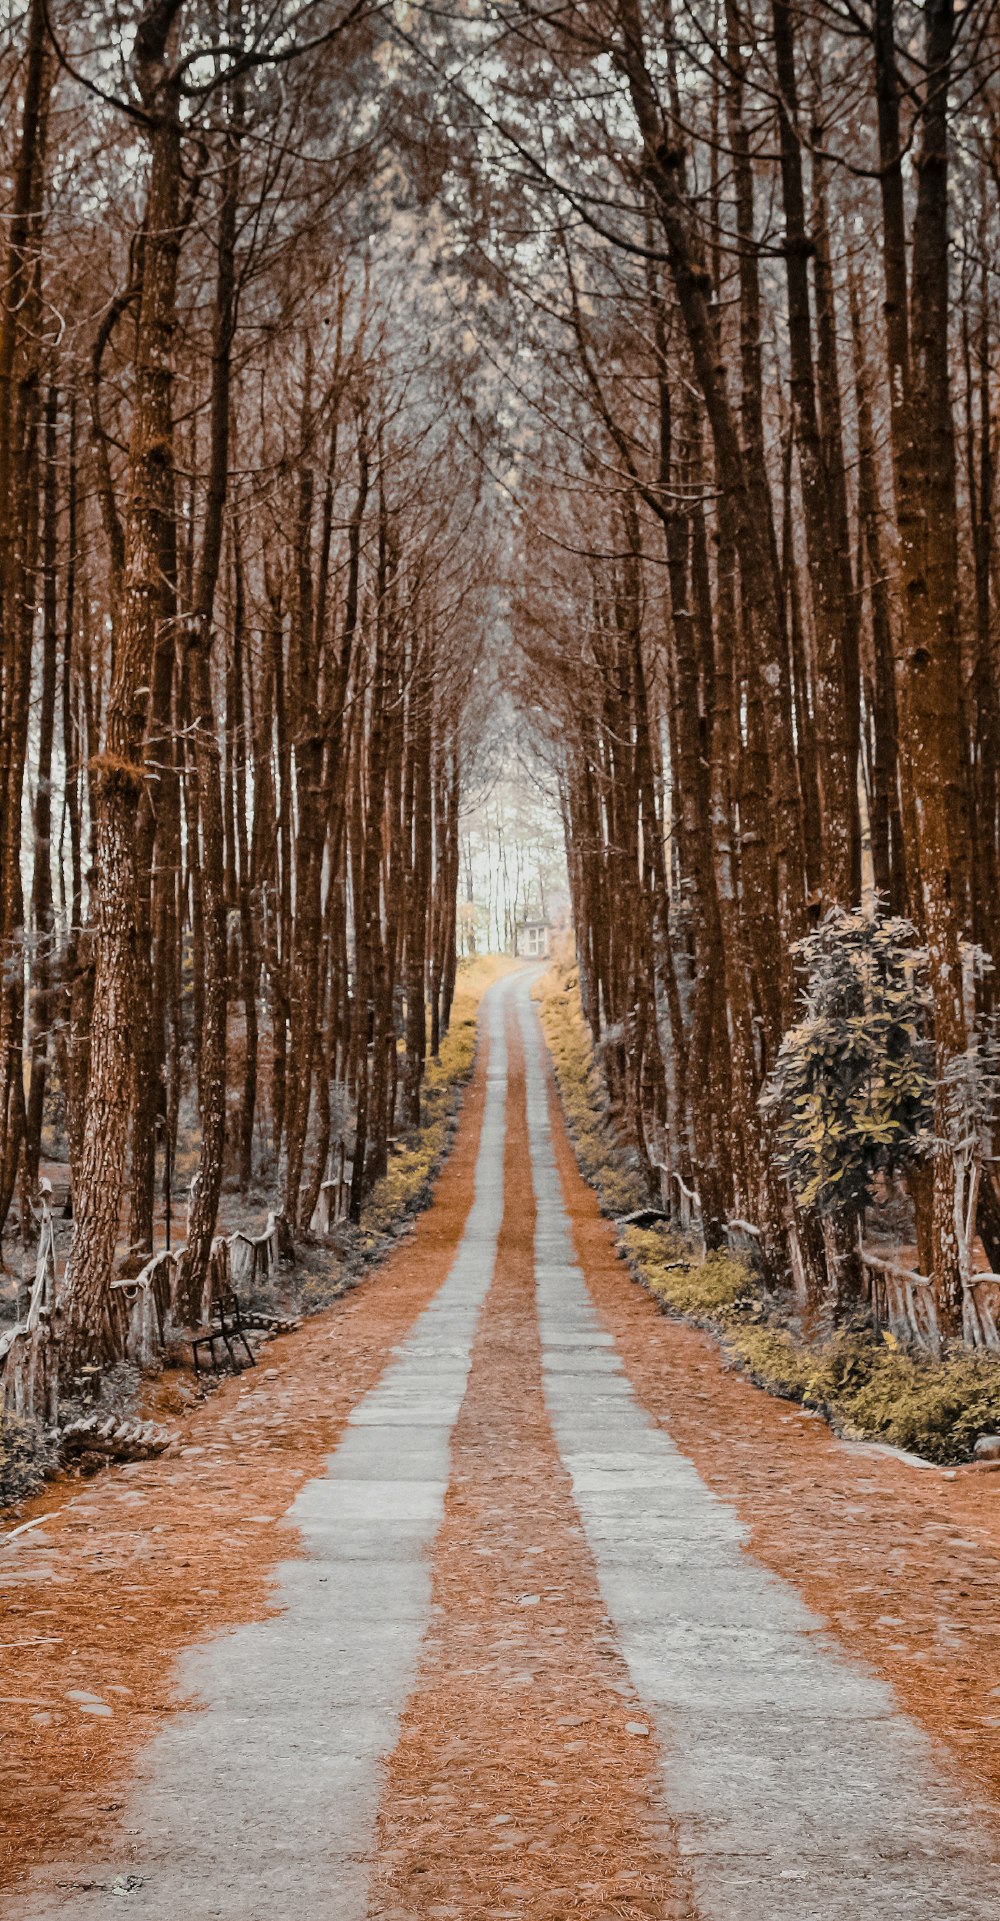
point(871, 1391)
point(935, 1408)
point(865, 1385)
point(684, 1286)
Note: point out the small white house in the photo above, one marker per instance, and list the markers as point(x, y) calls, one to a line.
point(531, 939)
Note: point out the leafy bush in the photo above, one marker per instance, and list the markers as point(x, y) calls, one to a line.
point(853, 1085)
point(26, 1457)
point(872, 1391)
point(775, 1360)
point(720, 1282)
point(935, 1408)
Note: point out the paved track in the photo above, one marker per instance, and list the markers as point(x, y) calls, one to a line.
point(263, 1806)
point(797, 1789)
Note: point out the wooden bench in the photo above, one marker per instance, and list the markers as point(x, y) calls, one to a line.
point(225, 1326)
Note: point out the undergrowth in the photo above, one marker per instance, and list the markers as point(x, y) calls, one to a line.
point(26, 1458)
point(866, 1386)
point(696, 1290)
point(605, 1161)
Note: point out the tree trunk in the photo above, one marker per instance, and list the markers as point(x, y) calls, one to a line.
point(929, 668)
point(204, 1206)
point(42, 915)
point(88, 1331)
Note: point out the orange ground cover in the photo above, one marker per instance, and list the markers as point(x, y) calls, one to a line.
point(517, 1788)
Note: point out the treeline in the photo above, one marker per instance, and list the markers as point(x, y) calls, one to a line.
point(291, 297)
point(758, 586)
point(239, 569)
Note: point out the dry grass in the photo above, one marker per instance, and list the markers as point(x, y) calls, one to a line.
point(604, 1159)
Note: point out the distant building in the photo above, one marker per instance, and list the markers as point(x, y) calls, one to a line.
point(531, 939)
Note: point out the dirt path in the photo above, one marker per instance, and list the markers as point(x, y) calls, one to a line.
point(547, 1647)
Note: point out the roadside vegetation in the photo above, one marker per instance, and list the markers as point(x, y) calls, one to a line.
point(866, 1383)
point(324, 1267)
point(27, 1455)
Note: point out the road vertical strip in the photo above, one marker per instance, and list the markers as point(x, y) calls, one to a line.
point(801, 1791)
point(261, 1806)
point(525, 1782)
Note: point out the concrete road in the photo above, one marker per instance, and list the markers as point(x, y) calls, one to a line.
point(793, 1788)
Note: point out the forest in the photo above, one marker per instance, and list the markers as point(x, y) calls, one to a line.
point(369, 372)
point(757, 607)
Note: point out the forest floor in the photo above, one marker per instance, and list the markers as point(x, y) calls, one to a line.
point(494, 1592)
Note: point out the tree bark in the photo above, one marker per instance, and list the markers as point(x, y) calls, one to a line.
point(929, 664)
point(88, 1330)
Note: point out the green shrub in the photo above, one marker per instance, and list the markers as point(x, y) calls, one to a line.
point(935, 1408)
point(872, 1391)
point(852, 1091)
point(707, 1288)
point(774, 1360)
